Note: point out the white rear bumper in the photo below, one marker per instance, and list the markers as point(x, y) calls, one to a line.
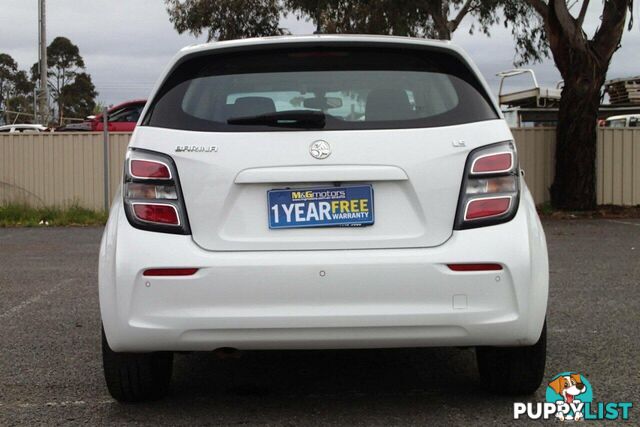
point(324, 299)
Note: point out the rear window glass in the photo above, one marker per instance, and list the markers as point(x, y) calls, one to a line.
point(355, 88)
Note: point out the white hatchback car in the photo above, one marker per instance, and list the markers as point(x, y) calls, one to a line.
point(322, 192)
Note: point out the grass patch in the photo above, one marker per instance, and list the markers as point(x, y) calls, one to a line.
point(20, 215)
point(545, 209)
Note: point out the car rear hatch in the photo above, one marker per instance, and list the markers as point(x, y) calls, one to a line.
point(385, 131)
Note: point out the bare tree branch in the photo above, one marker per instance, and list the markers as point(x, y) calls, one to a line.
point(566, 21)
point(607, 39)
point(540, 6)
point(441, 23)
point(453, 24)
point(583, 13)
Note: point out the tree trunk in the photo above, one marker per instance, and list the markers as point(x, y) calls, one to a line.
point(583, 64)
point(440, 14)
point(574, 187)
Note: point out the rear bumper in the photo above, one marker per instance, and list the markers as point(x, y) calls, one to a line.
point(324, 299)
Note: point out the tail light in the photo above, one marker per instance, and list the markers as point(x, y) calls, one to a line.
point(490, 188)
point(152, 197)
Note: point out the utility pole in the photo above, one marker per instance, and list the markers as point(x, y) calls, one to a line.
point(35, 105)
point(105, 158)
point(43, 95)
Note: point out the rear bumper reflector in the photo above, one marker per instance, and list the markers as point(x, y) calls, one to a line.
point(170, 272)
point(474, 267)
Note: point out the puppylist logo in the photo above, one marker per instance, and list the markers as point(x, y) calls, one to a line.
point(569, 397)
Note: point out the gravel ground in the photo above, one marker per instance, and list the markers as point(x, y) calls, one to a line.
point(50, 365)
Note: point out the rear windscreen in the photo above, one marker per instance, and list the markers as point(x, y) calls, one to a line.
point(355, 88)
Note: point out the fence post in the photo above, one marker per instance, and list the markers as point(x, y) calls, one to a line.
point(105, 154)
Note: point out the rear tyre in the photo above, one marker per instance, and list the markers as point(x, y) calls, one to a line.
point(513, 370)
point(136, 377)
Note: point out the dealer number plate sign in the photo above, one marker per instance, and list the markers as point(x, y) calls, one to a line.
point(321, 207)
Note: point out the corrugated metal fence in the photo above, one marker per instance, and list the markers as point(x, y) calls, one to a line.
point(536, 153)
point(65, 168)
point(617, 163)
point(618, 167)
point(57, 169)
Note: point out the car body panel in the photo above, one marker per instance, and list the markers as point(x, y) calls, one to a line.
point(625, 120)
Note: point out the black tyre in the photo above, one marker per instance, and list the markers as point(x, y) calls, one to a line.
point(136, 377)
point(513, 370)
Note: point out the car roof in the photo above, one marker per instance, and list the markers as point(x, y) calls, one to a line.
point(623, 117)
point(345, 38)
point(122, 105)
point(23, 126)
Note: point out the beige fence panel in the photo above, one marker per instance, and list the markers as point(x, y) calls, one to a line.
point(118, 143)
point(536, 148)
point(618, 167)
point(617, 163)
point(59, 169)
point(51, 169)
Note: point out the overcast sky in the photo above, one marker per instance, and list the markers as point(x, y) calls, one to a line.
point(127, 43)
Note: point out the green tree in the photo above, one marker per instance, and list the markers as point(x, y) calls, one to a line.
point(583, 62)
point(98, 108)
point(79, 97)
point(229, 19)
point(16, 91)
point(22, 84)
point(433, 19)
point(20, 99)
point(65, 63)
point(8, 70)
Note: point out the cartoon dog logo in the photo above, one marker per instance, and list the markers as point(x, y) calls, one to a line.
point(569, 386)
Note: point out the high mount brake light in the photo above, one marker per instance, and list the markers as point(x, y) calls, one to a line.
point(152, 197)
point(490, 188)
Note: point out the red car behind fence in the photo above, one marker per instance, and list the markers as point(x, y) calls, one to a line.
point(122, 118)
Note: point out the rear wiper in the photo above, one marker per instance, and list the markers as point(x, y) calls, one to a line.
point(304, 119)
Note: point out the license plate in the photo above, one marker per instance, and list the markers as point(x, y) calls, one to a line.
point(321, 207)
